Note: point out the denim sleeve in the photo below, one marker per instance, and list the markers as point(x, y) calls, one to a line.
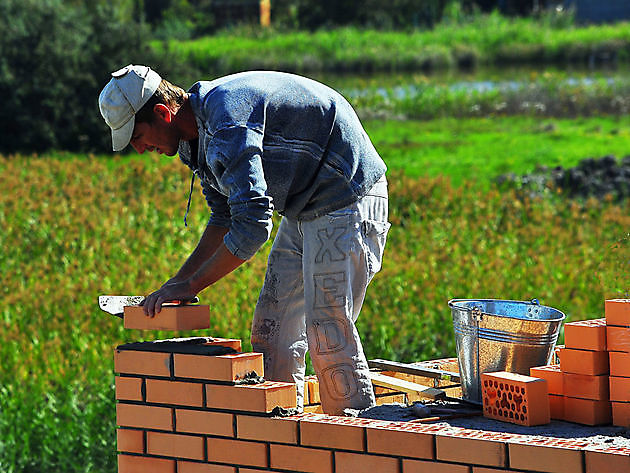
point(235, 157)
point(218, 203)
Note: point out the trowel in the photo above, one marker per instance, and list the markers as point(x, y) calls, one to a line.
point(115, 305)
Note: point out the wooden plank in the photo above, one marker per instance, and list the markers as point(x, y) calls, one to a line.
point(415, 370)
point(379, 379)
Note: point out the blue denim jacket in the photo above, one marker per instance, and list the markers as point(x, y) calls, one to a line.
point(272, 140)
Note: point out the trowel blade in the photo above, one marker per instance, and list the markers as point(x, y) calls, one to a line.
point(115, 305)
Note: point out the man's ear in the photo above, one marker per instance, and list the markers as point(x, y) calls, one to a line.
point(163, 112)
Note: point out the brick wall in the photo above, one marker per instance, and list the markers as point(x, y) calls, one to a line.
point(184, 409)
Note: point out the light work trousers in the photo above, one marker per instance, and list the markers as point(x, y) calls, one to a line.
point(317, 275)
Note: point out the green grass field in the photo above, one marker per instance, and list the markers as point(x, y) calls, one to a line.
point(485, 39)
point(75, 227)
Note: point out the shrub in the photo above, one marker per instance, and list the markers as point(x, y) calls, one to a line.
point(55, 59)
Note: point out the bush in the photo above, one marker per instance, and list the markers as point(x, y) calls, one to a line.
point(55, 59)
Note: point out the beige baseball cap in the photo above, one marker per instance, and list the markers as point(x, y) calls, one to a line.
point(123, 96)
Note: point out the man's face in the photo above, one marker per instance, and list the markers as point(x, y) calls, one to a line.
point(159, 135)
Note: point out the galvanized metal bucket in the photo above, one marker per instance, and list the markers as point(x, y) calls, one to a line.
point(501, 335)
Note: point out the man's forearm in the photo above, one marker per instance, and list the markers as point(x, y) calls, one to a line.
point(210, 241)
point(221, 263)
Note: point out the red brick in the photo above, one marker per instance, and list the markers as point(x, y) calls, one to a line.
point(233, 343)
point(136, 464)
point(607, 462)
point(219, 368)
point(619, 389)
point(618, 338)
point(183, 317)
point(552, 374)
point(619, 363)
point(476, 451)
point(332, 435)
point(400, 443)
point(556, 407)
point(128, 389)
point(142, 362)
point(147, 417)
point(311, 460)
point(586, 334)
point(253, 398)
point(312, 383)
point(423, 466)
point(621, 414)
point(545, 458)
point(584, 361)
point(617, 312)
point(236, 452)
point(585, 386)
point(357, 462)
point(193, 467)
point(130, 440)
point(175, 445)
point(204, 422)
point(283, 430)
point(587, 411)
point(174, 392)
point(515, 398)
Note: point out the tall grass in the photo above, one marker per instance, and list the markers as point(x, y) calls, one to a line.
point(75, 227)
point(485, 39)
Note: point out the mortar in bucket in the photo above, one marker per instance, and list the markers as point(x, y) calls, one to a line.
point(501, 335)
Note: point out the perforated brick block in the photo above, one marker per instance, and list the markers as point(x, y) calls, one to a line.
point(619, 363)
point(552, 374)
point(585, 386)
point(586, 334)
point(621, 414)
point(619, 389)
point(232, 367)
point(587, 411)
point(556, 407)
point(618, 338)
point(583, 361)
point(515, 398)
point(181, 317)
point(617, 312)
point(262, 397)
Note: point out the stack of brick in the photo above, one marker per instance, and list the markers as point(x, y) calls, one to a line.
point(618, 338)
point(591, 385)
point(578, 386)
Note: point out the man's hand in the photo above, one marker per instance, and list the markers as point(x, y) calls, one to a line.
point(172, 290)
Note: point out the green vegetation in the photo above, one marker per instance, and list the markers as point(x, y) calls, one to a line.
point(486, 39)
point(541, 95)
point(77, 226)
point(486, 148)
